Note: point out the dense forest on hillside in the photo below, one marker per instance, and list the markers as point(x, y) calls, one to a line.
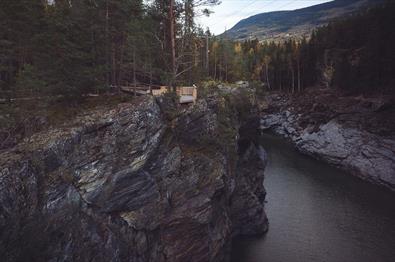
point(65, 47)
point(81, 46)
point(354, 54)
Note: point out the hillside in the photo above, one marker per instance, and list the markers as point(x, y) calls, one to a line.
point(300, 22)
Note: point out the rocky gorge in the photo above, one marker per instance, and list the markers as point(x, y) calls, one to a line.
point(355, 134)
point(144, 182)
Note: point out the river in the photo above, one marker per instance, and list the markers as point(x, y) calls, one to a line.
point(318, 213)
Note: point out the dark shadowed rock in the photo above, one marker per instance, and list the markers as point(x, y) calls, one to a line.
point(248, 198)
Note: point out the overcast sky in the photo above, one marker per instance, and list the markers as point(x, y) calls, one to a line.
point(227, 14)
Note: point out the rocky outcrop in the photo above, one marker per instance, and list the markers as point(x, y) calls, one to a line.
point(248, 217)
point(339, 131)
point(132, 185)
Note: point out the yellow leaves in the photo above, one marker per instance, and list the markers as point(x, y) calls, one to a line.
point(237, 48)
point(215, 45)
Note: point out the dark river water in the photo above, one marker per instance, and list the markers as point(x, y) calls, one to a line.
point(318, 213)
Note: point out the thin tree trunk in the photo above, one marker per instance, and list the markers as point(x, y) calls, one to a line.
point(293, 79)
point(207, 55)
point(267, 76)
point(226, 71)
point(150, 78)
point(108, 74)
point(172, 44)
point(93, 39)
point(281, 84)
point(215, 66)
point(113, 65)
point(134, 71)
point(120, 62)
point(299, 85)
point(220, 72)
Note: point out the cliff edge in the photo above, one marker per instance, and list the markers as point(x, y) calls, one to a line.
point(135, 183)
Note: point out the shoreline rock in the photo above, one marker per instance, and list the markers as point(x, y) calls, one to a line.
point(329, 136)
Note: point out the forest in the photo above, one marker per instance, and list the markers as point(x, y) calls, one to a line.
point(354, 54)
point(81, 46)
point(74, 47)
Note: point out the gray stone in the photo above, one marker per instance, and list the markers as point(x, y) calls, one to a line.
point(356, 150)
point(128, 185)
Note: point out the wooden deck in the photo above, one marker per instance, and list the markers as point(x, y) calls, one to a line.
point(138, 90)
point(187, 94)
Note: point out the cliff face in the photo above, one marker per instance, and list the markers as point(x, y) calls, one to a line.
point(353, 133)
point(132, 185)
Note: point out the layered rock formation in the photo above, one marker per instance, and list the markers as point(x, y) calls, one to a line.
point(133, 184)
point(355, 134)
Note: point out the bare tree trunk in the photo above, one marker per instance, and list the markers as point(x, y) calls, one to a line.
point(150, 76)
point(215, 66)
point(134, 71)
point(113, 65)
point(120, 63)
point(226, 71)
point(281, 84)
point(207, 55)
point(108, 74)
point(299, 85)
point(267, 76)
point(226, 57)
point(172, 44)
point(220, 72)
point(293, 79)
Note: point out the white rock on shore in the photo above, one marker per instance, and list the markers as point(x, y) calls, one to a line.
point(366, 155)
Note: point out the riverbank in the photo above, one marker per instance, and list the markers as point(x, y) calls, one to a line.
point(356, 134)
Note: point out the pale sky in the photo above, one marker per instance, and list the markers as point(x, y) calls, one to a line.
point(227, 14)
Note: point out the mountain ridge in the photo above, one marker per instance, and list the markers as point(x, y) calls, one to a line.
point(279, 25)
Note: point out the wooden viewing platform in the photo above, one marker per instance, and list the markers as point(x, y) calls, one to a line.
point(187, 94)
point(138, 90)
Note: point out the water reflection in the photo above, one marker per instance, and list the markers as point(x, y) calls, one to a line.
point(318, 213)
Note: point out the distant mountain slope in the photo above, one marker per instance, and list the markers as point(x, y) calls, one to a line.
point(300, 22)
